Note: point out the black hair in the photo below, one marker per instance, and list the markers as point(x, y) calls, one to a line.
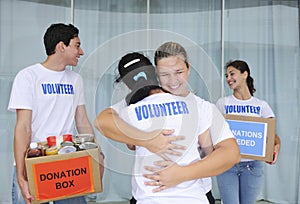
point(59, 32)
point(242, 66)
point(140, 94)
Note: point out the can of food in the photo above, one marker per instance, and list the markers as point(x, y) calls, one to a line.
point(67, 149)
point(66, 143)
point(88, 145)
point(51, 151)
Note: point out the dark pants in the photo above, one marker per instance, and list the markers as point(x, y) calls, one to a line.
point(209, 196)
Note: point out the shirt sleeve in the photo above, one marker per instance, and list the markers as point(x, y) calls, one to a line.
point(221, 105)
point(266, 110)
point(22, 92)
point(205, 115)
point(219, 128)
point(79, 91)
point(119, 106)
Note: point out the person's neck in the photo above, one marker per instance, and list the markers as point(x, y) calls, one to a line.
point(53, 64)
point(186, 93)
point(156, 91)
point(242, 94)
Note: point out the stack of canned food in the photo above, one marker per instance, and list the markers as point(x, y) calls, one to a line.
point(62, 145)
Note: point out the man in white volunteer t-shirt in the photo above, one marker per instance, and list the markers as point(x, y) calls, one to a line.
point(48, 100)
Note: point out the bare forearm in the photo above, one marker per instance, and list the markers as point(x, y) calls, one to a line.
point(85, 127)
point(225, 155)
point(21, 143)
point(22, 139)
point(112, 126)
point(83, 124)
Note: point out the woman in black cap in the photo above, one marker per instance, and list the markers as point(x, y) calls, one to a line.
point(155, 141)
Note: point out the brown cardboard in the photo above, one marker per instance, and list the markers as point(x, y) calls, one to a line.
point(64, 176)
point(271, 130)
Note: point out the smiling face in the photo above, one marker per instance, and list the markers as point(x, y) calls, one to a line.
point(73, 52)
point(235, 79)
point(173, 74)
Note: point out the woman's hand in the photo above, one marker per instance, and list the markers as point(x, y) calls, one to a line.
point(276, 150)
point(162, 175)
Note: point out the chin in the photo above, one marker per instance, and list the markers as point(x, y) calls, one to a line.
point(178, 93)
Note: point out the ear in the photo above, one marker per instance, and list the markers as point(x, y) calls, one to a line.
point(60, 47)
point(245, 74)
point(189, 68)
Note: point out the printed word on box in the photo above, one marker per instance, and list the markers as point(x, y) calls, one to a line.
point(255, 136)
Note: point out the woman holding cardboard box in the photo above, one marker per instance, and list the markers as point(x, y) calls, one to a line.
point(241, 184)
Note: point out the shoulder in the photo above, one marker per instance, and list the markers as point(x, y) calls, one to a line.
point(265, 107)
point(158, 98)
point(225, 99)
point(27, 72)
point(203, 105)
point(198, 99)
point(119, 106)
point(258, 101)
point(72, 73)
point(29, 69)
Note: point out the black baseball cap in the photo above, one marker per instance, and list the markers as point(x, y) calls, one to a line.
point(138, 73)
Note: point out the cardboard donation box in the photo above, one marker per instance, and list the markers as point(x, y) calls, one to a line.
point(62, 176)
point(255, 136)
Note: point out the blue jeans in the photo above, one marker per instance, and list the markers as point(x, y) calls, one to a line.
point(242, 183)
point(17, 197)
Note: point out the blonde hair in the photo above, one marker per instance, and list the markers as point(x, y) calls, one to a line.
point(170, 49)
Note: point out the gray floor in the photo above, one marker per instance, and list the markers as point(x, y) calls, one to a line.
point(217, 202)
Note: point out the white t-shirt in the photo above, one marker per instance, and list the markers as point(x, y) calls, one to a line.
point(252, 107)
point(189, 116)
point(51, 95)
point(218, 126)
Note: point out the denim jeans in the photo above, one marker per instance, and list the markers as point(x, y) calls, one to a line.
point(242, 183)
point(17, 197)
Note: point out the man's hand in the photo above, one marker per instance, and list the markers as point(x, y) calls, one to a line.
point(25, 191)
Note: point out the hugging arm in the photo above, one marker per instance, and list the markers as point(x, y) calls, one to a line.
point(224, 155)
point(112, 126)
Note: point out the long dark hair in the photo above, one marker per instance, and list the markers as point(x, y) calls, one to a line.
point(243, 67)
